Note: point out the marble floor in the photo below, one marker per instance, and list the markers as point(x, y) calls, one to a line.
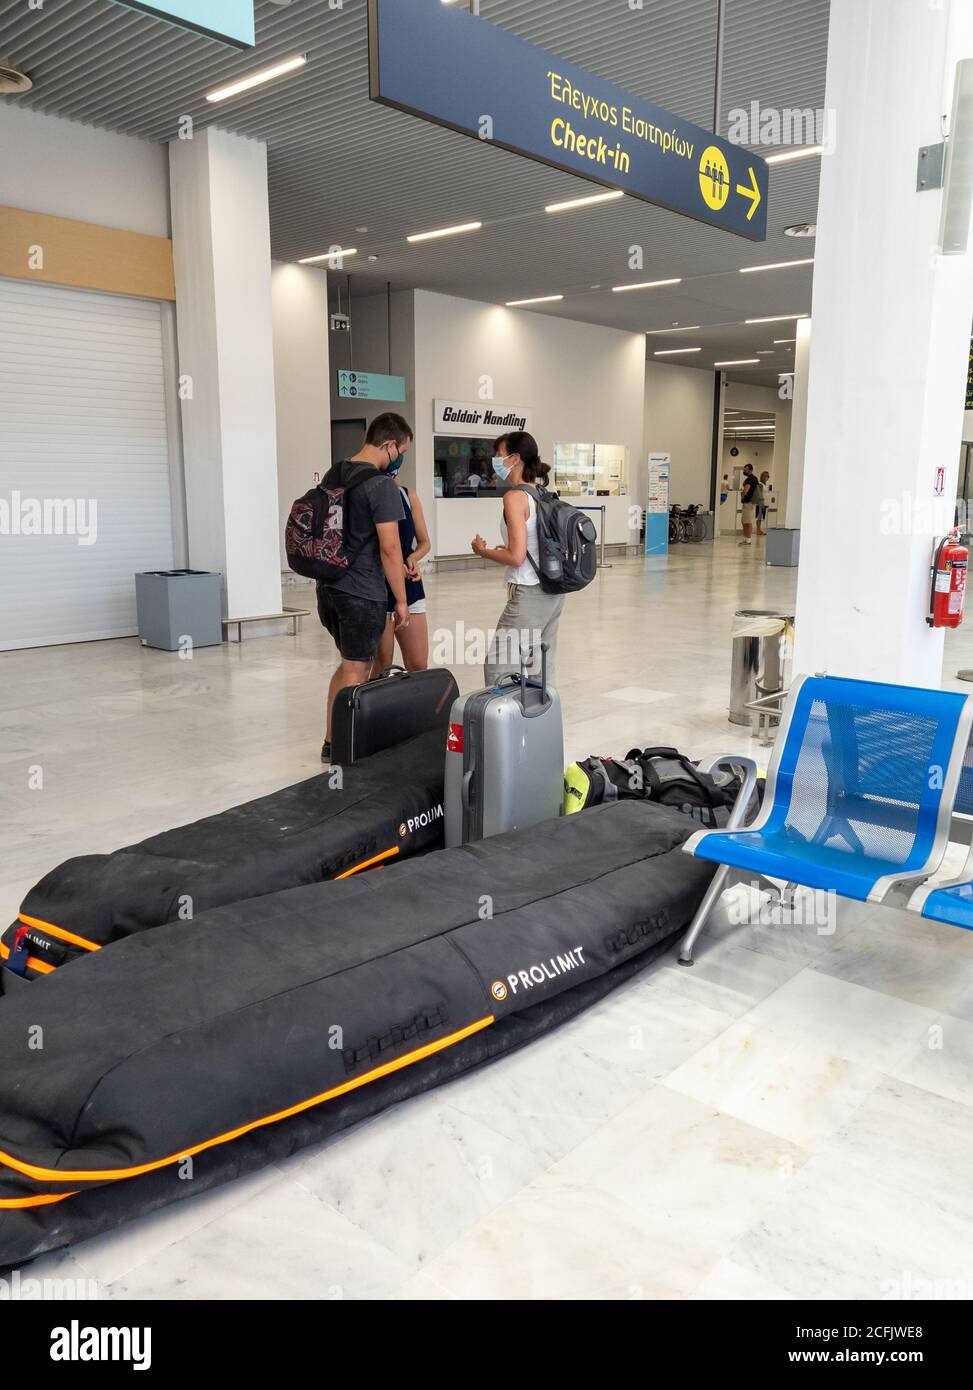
point(791, 1118)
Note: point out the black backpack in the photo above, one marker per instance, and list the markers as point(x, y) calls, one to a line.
point(567, 540)
point(656, 774)
point(316, 535)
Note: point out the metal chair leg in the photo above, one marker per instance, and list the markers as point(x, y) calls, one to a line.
point(702, 913)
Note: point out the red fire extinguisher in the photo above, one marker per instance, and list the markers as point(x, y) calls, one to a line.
point(948, 593)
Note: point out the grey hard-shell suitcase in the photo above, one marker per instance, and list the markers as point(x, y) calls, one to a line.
point(504, 758)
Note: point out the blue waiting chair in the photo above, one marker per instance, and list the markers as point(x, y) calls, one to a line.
point(858, 797)
point(950, 900)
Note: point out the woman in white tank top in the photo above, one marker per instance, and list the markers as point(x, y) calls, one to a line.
point(531, 616)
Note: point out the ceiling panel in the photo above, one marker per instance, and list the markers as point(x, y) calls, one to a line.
point(339, 162)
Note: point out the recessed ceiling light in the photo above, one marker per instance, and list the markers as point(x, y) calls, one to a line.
point(13, 81)
point(799, 152)
point(373, 258)
point(739, 362)
point(776, 318)
point(538, 299)
point(645, 285)
point(585, 202)
point(775, 265)
point(802, 229)
point(257, 79)
point(446, 231)
point(339, 253)
point(655, 332)
point(673, 352)
point(361, 229)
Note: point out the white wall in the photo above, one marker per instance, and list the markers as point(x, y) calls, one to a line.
point(299, 296)
point(69, 170)
point(679, 420)
point(582, 382)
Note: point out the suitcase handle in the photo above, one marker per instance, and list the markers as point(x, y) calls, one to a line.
point(466, 794)
point(389, 670)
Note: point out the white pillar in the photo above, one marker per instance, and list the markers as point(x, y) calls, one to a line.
point(798, 441)
point(221, 249)
point(889, 349)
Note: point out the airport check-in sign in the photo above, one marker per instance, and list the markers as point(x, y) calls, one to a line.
point(446, 65)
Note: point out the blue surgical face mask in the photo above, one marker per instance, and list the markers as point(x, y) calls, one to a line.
point(501, 468)
point(393, 468)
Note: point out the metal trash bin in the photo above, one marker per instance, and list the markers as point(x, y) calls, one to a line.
point(175, 604)
point(762, 646)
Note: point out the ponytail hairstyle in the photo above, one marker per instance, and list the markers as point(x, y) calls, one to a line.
point(525, 446)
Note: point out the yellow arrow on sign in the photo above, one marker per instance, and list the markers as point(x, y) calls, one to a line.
point(753, 192)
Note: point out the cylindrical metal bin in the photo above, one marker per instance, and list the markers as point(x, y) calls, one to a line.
point(762, 644)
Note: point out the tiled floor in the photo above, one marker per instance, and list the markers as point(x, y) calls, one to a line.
point(791, 1118)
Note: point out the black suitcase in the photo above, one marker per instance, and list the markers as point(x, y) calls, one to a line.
point(398, 705)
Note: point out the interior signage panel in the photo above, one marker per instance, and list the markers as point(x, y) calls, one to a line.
point(466, 418)
point(231, 21)
point(443, 64)
point(370, 386)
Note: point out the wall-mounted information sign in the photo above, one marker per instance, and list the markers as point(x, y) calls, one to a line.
point(448, 66)
point(371, 386)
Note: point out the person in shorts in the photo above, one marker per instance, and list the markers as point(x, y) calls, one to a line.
point(413, 640)
point(354, 609)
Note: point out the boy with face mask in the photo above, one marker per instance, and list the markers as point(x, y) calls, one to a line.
point(353, 609)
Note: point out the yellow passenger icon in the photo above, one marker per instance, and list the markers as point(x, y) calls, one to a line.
point(714, 177)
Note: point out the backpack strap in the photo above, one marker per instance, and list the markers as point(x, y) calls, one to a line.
point(654, 782)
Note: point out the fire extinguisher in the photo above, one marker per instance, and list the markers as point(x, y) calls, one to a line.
point(948, 592)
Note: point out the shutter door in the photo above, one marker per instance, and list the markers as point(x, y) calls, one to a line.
point(84, 462)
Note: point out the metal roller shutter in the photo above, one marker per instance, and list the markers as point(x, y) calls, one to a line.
point(84, 460)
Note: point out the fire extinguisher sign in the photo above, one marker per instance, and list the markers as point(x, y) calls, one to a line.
point(940, 487)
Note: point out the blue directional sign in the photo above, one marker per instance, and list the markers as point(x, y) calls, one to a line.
point(231, 21)
point(446, 65)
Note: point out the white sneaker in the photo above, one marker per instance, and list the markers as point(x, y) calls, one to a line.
point(744, 542)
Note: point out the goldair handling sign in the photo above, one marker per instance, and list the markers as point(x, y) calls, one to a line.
point(445, 65)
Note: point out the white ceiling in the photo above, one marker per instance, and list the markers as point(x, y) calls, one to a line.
point(339, 162)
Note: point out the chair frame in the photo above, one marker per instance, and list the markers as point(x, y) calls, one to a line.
point(894, 889)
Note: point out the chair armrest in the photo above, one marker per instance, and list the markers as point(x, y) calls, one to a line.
point(745, 792)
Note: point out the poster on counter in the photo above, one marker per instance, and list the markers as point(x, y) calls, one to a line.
point(487, 418)
point(657, 511)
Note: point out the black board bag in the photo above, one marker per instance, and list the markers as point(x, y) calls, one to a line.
point(224, 1050)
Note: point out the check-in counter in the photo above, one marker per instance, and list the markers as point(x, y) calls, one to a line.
point(459, 519)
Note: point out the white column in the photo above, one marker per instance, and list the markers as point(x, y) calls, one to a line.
point(798, 441)
point(889, 349)
point(221, 249)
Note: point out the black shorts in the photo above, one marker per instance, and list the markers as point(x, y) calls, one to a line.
point(356, 624)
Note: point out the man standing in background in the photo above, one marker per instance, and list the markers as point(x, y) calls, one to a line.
point(748, 492)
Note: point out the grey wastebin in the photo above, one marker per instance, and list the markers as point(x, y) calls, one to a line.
point(175, 604)
point(762, 642)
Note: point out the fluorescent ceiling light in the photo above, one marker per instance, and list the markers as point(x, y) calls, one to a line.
point(645, 285)
point(775, 265)
point(336, 255)
point(540, 299)
point(785, 340)
point(739, 362)
point(446, 231)
point(776, 318)
point(671, 352)
point(584, 202)
point(800, 152)
point(256, 79)
point(661, 332)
